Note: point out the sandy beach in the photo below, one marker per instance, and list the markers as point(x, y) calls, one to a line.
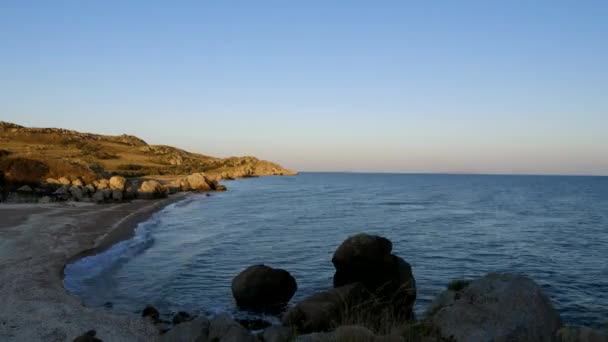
point(36, 241)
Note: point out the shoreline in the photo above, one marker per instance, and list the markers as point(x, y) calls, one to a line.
point(124, 229)
point(38, 241)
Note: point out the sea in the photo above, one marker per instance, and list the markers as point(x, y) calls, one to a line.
point(553, 229)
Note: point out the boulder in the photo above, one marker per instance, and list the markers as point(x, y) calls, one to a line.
point(52, 181)
point(224, 329)
point(277, 334)
point(181, 183)
point(198, 182)
point(117, 195)
point(62, 194)
point(350, 333)
point(581, 334)
point(254, 323)
point(130, 191)
point(151, 189)
point(26, 189)
point(151, 312)
point(118, 183)
point(76, 192)
point(367, 259)
point(65, 181)
point(219, 187)
point(496, 307)
point(90, 188)
point(326, 310)
point(77, 181)
point(260, 287)
point(190, 331)
point(181, 317)
point(102, 184)
point(89, 336)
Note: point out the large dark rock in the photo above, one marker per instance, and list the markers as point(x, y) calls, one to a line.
point(263, 288)
point(190, 331)
point(89, 336)
point(496, 307)
point(367, 259)
point(225, 329)
point(151, 312)
point(327, 310)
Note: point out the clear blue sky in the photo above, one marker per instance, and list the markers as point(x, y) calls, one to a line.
point(425, 86)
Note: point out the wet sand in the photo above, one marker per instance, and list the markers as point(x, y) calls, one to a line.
point(36, 241)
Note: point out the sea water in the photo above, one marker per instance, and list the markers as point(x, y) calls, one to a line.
point(551, 228)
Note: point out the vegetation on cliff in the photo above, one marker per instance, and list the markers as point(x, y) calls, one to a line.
point(31, 155)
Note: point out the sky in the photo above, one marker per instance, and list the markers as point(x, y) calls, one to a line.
point(322, 85)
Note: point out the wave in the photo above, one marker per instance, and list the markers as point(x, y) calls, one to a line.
point(93, 266)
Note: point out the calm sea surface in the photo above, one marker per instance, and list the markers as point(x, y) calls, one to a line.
point(552, 228)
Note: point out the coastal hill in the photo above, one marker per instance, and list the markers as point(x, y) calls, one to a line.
point(29, 155)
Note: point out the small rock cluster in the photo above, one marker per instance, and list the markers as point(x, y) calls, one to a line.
point(114, 189)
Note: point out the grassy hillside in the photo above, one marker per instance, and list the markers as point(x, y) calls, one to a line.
point(34, 154)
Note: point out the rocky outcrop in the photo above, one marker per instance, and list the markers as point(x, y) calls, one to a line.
point(326, 310)
point(496, 307)
point(263, 288)
point(367, 259)
point(198, 181)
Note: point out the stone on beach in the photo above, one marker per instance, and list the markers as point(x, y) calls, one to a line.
point(117, 183)
point(260, 287)
point(151, 189)
point(199, 182)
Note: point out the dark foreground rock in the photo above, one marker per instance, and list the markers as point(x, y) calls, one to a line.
point(581, 334)
point(263, 288)
point(89, 336)
point(225, 329)
point(367, 259)
point(191, 331)
point(326, 310)
point(151, 313)
point(496, 307)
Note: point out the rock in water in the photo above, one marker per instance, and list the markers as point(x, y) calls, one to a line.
point(367, 259)
point(262, 288)
point(151, 312)
point(496, 307)
point(181, 317)
point(326, 310)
